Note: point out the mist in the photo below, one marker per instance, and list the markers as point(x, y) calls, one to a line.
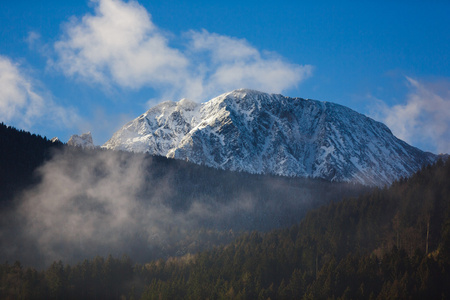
point(98, 202)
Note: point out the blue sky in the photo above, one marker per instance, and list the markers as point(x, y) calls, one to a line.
point(69, 67)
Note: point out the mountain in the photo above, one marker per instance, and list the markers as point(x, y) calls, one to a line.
point(255, 132)
point(83, 141)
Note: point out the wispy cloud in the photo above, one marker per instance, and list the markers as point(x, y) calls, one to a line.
point(120, 45)
point(22, 103)
point(233, 63)
point(424, 118)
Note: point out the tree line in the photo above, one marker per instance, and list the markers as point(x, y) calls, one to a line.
point(20, 154)
point(391, 243)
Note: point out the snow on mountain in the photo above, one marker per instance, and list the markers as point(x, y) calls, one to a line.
point(55, 140)
point(246, 130)
point(83, 141)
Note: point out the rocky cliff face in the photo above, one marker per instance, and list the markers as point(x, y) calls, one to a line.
point(83, 141)
point(255, 132)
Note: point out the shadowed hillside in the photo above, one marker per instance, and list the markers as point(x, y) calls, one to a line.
point(391, 243)
point(73, 203)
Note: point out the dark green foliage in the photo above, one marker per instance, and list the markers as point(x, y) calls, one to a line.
point(91, 279)
point(346, 250)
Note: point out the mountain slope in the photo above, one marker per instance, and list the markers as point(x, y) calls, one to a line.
point(64, 202)
point(83, 141)
point(255, 132)
point(383, 245)
point(20, 154)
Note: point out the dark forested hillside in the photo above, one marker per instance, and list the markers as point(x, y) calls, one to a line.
point(392, 243)
point(20, 154)
point(72, 203)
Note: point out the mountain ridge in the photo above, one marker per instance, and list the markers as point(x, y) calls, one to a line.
point(84, 140)
point(255, 132)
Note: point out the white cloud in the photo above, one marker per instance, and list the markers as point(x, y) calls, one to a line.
point(21, 104)
point(119, 45)
point(222, 48)
point(423, 120)
point(234, 63)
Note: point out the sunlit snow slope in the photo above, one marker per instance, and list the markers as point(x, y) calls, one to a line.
point(246, 130)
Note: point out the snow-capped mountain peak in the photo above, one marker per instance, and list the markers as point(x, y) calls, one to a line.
point(251, 131)
point(83, 141)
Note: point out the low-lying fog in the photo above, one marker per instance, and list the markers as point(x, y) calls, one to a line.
point(99, 202)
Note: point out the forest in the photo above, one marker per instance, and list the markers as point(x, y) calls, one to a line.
point(68, 203)
point(387, 243)
point(20, 154)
